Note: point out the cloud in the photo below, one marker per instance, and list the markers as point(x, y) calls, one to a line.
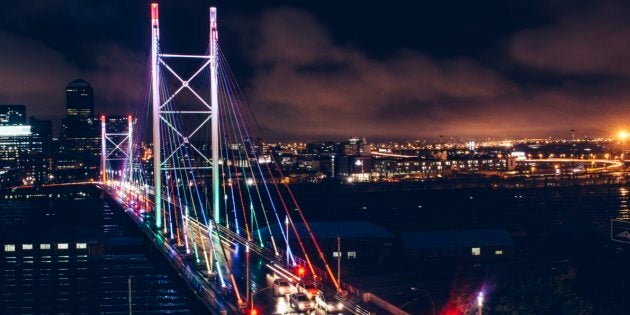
point(30, 75)
point(120, 78)
point(35, 74)
point(591, 40)
point(306, 85)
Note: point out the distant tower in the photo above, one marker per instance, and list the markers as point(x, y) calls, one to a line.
point(79, 142)
point(572, 134)
point(79, 99)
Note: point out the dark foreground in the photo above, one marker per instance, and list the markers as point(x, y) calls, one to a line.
point(54, 273)
point(564, 261)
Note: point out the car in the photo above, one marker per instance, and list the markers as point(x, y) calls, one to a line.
point(328, 303)
point(309, 288)
point(301, 302)
point(282, 287)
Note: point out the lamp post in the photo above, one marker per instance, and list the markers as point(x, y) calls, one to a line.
point(480, 302)
point(253, 310)
point(359, 163)
point(129, 294)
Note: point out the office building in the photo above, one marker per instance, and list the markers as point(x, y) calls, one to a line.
point(78, 148)
point(79, 99)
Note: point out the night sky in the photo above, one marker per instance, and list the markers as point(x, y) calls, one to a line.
point(332, 69)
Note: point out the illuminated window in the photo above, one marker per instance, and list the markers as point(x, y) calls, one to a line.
point(498, 252)
point(81, 246)
point(9, 248)
point(352, 255)
point(27, 246)
point(44, 246)
point(336, 254)
point(476, 251)
point(62, 246)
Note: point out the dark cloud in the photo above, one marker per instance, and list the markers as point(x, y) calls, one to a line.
point(593, 39)
point(305, 78)
point(339, 90)
point(30, 73)
point(36, 74)
point(308, 85)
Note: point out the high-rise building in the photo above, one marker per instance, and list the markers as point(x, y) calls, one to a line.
point(356, 146)
point(12, 115)
point(14, 150)
point(78, 148)
point(39, 167)
point(79, 99)
point(25, 152)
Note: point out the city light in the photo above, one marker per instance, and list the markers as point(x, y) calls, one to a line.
point(205, 191)
point(480, 298)
point(15, 131)
point(301, 271)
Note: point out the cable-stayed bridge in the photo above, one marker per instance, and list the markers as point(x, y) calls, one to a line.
point(210, 196)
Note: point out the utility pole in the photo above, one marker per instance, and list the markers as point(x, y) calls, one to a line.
point(129, 292)
point(286, 228)
point(339, 260)
point(480, 300)
point(247, 286)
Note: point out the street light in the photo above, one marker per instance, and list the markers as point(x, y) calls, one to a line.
point(480, 302)
point(359, 163)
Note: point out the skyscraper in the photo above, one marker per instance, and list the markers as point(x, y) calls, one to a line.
point(79, 99)
point(78, 147)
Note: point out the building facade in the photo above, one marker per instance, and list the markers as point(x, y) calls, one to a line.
point(78, 148)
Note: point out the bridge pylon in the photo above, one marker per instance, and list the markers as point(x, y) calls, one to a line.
point(164, 113)
point(113, 148)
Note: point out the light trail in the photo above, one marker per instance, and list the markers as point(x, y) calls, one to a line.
point(383, 154)
point(609, 164)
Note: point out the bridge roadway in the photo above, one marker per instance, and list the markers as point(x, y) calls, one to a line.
point(208, 288)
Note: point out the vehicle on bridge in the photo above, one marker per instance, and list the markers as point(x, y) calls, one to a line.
point(309, 289)
point(283, 287)
point(328, 303)
point(301, 302)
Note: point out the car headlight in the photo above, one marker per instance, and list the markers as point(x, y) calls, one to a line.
point(339, 306)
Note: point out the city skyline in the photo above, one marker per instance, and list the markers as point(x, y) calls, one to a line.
point(494, 69)
point(287, 157)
